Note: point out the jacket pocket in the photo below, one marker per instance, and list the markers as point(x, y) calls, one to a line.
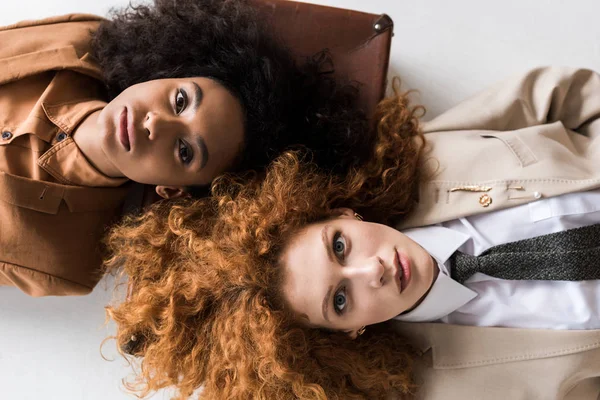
point(46, 197)
point(31, 194)
point(521, 151)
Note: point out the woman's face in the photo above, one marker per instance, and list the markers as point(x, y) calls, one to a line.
point(344, 273)
point(173, 132)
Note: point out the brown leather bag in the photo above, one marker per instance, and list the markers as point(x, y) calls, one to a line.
point(358, 42)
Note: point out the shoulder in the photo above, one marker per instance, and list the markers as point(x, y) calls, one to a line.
point(53, 42)
point(92, 20)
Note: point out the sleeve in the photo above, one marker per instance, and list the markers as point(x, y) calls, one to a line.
point(30, 47)
point(37, 284)
point(541, 96)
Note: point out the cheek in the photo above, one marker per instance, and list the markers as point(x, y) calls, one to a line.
point(371, 245)
point(368, 301)
point(121, 97)
point(160, 163)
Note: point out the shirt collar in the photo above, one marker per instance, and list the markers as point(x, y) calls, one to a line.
point(64, 160)
point(67, 116)
point(446, 295)
point(67, 164)
point(438, 241)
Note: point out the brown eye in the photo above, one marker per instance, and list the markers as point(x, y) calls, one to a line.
point(185, 153)
point(181, 101)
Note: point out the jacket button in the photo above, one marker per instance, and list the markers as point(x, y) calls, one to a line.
point(61, 136)
point(6, 135)
point(485, 200)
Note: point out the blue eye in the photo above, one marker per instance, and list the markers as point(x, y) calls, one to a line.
point(339, 246)
point(339, 301)
point(185, 153)
point(181, 100)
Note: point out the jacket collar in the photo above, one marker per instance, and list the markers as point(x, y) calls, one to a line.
point(67, 164)
point(67, 116)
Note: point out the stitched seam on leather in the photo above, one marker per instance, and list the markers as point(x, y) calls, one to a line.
point(570, 350)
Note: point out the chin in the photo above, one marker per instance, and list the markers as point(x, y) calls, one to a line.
point(105, 127)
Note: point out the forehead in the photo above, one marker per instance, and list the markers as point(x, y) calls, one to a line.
point(220, 122)
point(304, 253)
point(219, 109)
point(307, 271)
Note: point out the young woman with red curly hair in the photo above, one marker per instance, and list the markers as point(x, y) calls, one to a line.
point(204, 313)
point(280, 289)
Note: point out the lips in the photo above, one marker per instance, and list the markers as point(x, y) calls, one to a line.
point(404, 272)
point(398, 272)
point(124, 136)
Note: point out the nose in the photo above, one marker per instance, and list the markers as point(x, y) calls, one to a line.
point(158, 124)
point(369, 271)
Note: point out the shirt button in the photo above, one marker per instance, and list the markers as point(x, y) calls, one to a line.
point(485, 200)
point(537, 195)
point(6, 135)
point(61, 136)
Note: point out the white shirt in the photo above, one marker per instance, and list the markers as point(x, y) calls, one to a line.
point(489, 301)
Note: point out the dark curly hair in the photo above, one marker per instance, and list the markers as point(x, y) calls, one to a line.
point(285, 103)
point(205, 307)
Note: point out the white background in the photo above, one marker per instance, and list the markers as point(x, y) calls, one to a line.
point(448, 50)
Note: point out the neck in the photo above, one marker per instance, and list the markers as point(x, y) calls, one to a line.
point(89, 140)
point(436, 271)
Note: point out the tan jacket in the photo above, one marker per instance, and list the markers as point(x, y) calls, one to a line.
point(478, 363)
point(534, 136)
point(54, 206)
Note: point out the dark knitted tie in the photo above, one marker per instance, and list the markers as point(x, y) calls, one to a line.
point(571, 255)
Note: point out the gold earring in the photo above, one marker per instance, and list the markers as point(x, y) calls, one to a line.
point(361, 331)
point(358, 216)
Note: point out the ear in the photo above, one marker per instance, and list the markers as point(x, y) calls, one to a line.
point(353, 334)
point(343, 212)
point(171, 192)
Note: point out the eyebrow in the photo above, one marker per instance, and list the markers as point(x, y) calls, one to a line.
point(325, 306)
point(325, 239)
point(200, 140)
point(197, 96)
point(203, 151)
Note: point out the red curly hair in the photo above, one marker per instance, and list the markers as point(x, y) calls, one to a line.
point(206, 307)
